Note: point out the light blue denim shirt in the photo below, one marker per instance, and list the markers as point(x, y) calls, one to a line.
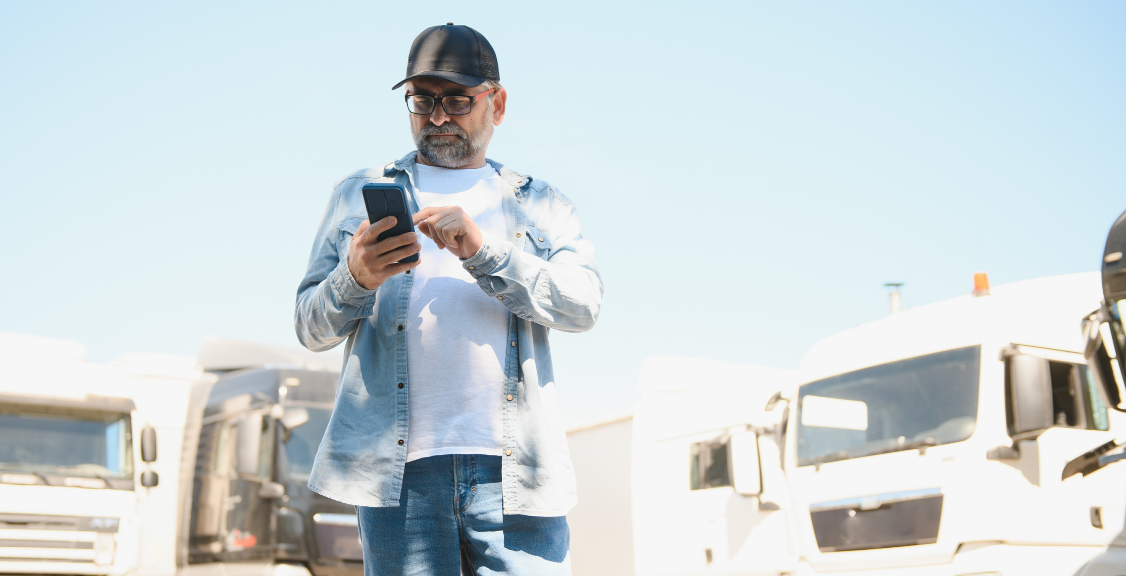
point(544, 273)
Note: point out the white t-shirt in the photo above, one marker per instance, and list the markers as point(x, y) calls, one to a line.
point(456, 335)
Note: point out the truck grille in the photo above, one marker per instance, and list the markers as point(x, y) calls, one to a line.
point(71, 539)
point(881, 521)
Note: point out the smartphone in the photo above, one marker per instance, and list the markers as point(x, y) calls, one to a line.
point(383, 200)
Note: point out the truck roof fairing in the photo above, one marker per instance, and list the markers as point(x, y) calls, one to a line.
point(1040, 312)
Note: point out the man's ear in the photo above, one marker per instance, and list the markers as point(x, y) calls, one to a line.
point(500, 99)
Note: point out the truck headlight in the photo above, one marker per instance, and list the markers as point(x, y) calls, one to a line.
point(104, 546)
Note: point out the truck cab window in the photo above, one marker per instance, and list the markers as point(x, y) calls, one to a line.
point(299, 445)
point(1075, 404)
point(708, 464)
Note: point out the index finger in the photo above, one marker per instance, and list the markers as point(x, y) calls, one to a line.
point(424, 214)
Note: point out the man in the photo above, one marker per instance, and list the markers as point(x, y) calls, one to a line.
point(446, 434)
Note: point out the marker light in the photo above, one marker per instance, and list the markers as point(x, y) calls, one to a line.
point(981, 284)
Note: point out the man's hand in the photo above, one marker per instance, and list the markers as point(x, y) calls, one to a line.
point(372, 262)
point(449, 227)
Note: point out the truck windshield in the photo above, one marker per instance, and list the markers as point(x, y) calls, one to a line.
point(301, 444)
point(64, 442)
point(923, 401)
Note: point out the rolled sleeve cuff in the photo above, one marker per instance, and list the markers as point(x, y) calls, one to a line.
point(487, 258)
point(347, 290)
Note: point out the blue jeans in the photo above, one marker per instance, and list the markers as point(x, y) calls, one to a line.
point(450, 519)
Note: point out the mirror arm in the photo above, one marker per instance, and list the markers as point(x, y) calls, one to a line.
point(760, 430)
point(767, 506)
point(774, 400)
point(248, 477)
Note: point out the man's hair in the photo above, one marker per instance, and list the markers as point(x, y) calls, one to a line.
point(491, 85)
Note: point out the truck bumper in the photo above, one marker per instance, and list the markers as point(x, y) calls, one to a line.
point(995, 559)
point(244, 569)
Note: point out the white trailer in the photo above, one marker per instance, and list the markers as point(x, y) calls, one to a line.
point(601, 524)
point(948, 439)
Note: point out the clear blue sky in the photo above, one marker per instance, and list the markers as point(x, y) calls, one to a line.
point(750, 173)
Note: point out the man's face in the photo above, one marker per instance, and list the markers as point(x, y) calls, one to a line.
point(451, 141)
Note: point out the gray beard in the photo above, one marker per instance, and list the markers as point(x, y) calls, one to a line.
point(442, 152)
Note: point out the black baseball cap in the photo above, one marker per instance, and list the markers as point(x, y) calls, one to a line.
point(456, 53)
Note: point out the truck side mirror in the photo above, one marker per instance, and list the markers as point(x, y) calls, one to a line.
point(294, 417)
point(1030, 384)
point(1109, 323)
point(249, 443)
point(1107, 379)
point(746, 475)
point(149, 479)
point(271, 491)
point(148, 444)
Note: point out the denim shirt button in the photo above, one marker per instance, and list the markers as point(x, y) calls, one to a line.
point(506, 452)
point(400, 327)
point(401, 442)
point(513, 343)
point(499, 297)
point(471, 267)
point(400, 385)
point(509, 397)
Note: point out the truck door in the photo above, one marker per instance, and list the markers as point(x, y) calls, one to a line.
point(230, 520)
point(210, 492)
point(1060, 414)
point(247, 535)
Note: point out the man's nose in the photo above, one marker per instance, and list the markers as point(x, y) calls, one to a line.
point(439, 116)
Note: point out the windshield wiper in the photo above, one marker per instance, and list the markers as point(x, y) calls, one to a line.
point(920, 444)
point(832, 457)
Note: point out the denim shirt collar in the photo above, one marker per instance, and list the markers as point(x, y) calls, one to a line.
point(515, 179)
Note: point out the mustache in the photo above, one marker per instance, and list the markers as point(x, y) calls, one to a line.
point(447, 128)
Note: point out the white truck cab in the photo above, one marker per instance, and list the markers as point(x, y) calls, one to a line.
point(687, 517)
point(952, 439)
point(935, 441)
point(70, 467)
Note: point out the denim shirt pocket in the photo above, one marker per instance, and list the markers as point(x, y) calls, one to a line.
point(345, 230)
point(538, 241)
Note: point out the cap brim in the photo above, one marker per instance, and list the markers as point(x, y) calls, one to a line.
point(455, 77)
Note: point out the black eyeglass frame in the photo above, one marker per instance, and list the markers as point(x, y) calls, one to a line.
point(472, 100)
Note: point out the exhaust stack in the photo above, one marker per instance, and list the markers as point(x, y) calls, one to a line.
point(895, 299)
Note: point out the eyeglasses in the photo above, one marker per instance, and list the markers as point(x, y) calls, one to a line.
point(454, 104)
